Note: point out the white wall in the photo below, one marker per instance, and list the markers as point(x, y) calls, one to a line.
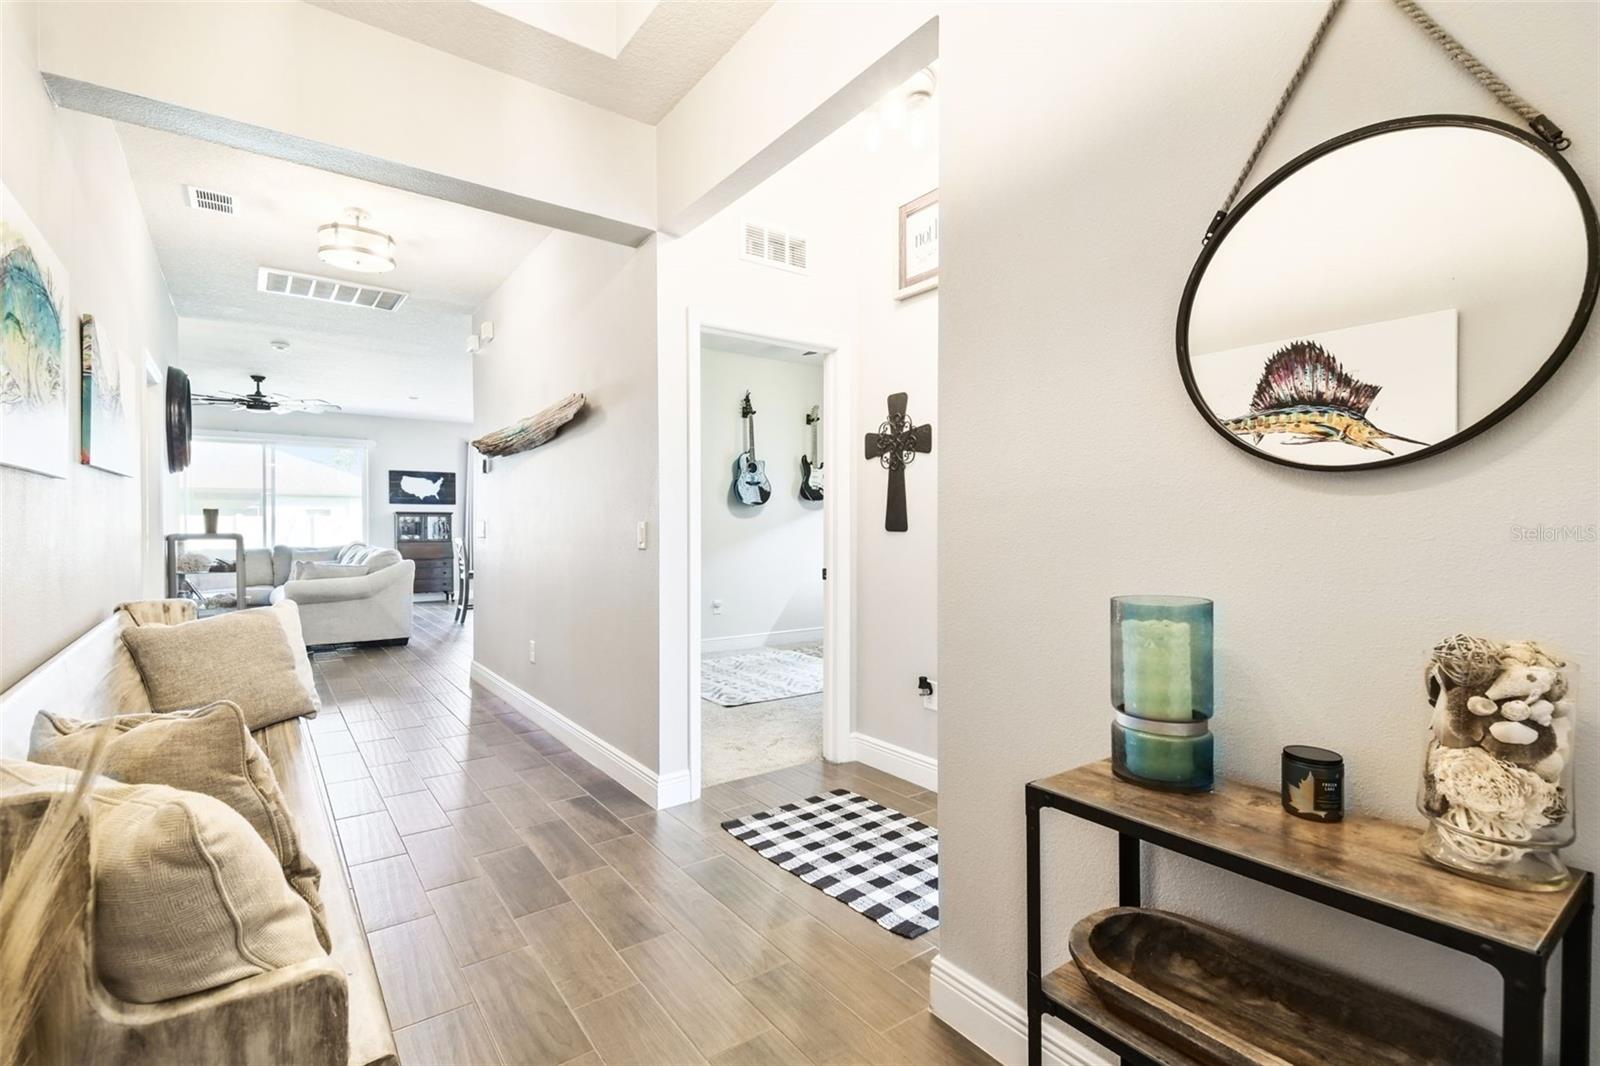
point(776, 94)
point(763, 563)
point(397, 444)
point(897, 580)
point(71, 549)
point(1084, 149)
point(560, 564)
point(844, 199)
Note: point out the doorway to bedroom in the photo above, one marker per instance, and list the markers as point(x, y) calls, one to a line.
point(762, 500)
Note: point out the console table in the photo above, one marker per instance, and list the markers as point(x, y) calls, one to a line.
point(209, 597)
point(1362, 866)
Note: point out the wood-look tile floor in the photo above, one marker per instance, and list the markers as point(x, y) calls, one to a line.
point(524, 908)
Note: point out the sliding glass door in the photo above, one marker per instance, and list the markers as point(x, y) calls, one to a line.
point(277, 490)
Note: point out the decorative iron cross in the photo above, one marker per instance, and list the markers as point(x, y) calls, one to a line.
point(895, 445)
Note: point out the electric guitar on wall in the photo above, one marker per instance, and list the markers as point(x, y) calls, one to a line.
point(749, 473)
point(811, 473)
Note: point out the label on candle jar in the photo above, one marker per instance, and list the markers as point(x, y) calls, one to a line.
point(1315, 792)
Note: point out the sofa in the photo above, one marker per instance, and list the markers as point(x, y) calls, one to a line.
point(320, 1007)
point(350, 594)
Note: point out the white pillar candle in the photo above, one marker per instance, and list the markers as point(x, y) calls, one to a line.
point(1156, 669)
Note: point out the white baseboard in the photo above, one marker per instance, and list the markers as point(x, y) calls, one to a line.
point(742, 641)
point(998, 1025)
point(624, 768)
point(913, 766)
point(672, 789)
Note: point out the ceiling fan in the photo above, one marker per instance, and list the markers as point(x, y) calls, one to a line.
point(265, 401)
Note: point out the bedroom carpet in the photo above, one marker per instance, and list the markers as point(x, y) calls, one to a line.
point(737, 742)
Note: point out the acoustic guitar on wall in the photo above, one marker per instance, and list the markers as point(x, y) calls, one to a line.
point(811, 472)
point(749, 473)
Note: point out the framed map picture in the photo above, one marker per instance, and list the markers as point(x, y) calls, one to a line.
point(919, 245)
point(422, 486)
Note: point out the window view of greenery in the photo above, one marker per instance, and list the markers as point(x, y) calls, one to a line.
point(306, 495)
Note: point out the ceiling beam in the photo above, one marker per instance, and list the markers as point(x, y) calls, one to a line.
point(302, 84)
point(142, 111)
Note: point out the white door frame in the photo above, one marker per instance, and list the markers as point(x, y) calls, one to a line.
point(838, 541)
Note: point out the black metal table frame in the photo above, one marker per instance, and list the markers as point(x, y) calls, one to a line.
point(1522, 1009)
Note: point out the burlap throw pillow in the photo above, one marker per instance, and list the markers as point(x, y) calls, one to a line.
point(288, 613)
point(207, 751)
point(187, 896)
point(241, 656)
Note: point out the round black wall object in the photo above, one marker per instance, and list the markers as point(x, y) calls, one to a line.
point(180, 421)
point(1389, 294)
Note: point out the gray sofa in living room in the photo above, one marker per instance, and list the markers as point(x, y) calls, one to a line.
point(350, 594)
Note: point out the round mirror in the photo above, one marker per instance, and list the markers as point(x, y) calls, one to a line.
point(1389, 293)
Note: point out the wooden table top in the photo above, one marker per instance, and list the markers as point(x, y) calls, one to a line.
point(1368, 858)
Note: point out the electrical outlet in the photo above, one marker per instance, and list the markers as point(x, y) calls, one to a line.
point(930, 699)
point(533, 655)
point(716, 606)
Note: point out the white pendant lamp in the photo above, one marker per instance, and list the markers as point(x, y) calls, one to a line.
point(349, 243)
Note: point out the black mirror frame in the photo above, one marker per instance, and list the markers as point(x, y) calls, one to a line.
point(1569, 339)
point(179, 420)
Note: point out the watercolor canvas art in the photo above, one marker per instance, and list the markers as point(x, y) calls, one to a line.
point(106, 432)
point(34, 336)
point(1341, 396)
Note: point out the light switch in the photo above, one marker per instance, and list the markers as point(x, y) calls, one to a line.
point(644, 535)
point(481, 529)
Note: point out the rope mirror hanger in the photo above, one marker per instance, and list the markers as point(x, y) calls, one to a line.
point(1537, 121)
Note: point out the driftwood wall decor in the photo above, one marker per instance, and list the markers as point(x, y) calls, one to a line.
point(531, 431)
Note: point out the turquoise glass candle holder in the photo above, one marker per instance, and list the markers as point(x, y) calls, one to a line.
point(1162, 685)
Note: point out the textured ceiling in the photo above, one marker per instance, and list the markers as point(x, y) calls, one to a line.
point(673, 49)
point(450, 258)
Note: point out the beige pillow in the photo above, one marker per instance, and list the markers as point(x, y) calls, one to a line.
point(121, 690)
point(187, 896)
point(311, 570)
point(288, 614)
point(158, 612)
point(241, 656)
point(207, 751)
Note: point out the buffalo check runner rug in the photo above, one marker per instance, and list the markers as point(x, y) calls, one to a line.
point(882, 863)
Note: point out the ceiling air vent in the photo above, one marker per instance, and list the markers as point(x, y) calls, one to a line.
point(762, 244)
point(210, 200)
point(327, 290)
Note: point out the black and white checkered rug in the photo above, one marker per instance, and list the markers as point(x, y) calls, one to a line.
point(882, 863)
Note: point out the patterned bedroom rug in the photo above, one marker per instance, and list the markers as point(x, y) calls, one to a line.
point(882, 863)
point(735, 678)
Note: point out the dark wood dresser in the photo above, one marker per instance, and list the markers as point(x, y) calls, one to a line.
point(424, 537)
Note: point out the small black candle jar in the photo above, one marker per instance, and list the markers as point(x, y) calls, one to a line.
point(1313, 783)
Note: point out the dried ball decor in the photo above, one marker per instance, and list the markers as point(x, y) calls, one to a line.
point(532, 431)
point(1497, 775)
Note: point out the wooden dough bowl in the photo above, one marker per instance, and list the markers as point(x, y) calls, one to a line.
point(1235, 1003)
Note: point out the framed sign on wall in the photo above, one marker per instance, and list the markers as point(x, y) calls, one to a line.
point(919, 245)
point(422, 486)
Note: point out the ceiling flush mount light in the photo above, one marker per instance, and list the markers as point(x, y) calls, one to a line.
point(907, 111)
point(349, 243)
